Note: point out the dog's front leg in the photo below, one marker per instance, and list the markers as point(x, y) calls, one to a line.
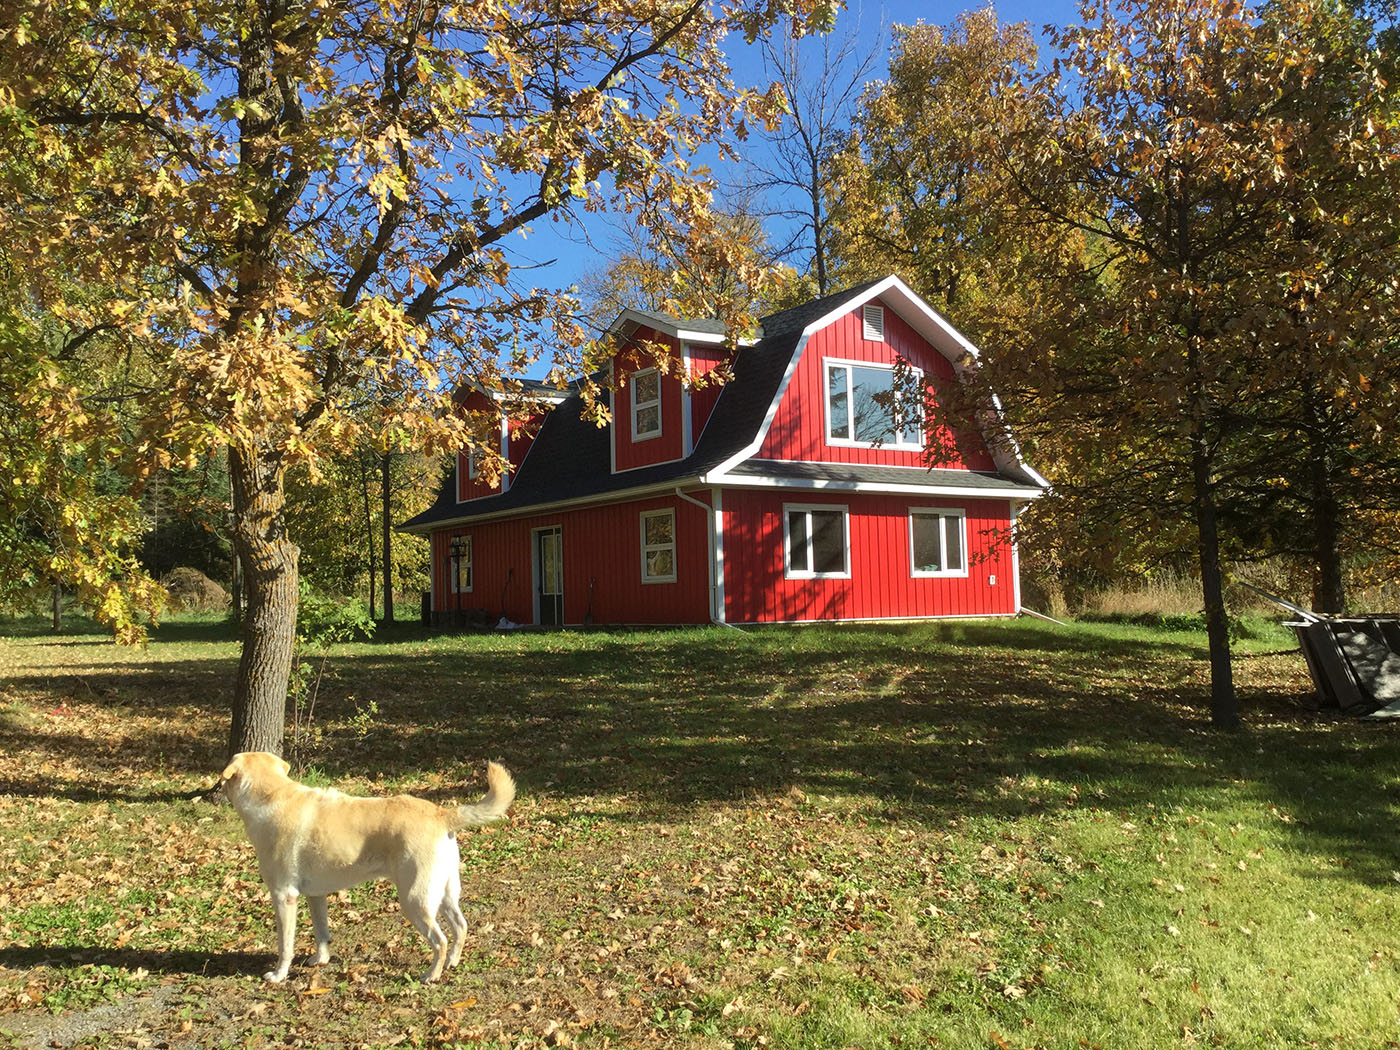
point(284, 905)
point(320, 922)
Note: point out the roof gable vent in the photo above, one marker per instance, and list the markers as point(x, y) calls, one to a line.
point(873, 322)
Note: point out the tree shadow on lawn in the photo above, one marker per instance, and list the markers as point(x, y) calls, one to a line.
point(192, 963)
point(79, 629)
point(965, 721)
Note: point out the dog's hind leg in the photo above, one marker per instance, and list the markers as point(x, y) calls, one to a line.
point(421, 890)
point(320, 922)
point(284, 906)
point(456, 921)
point(420, 913)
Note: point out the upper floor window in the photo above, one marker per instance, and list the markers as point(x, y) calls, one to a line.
point(864, 408)
point(937, 542)
point(646, 404)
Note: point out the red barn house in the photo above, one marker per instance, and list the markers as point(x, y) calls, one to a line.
point(790, 494)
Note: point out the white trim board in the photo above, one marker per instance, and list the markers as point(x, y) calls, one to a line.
point(746, 481)
point(714, 481)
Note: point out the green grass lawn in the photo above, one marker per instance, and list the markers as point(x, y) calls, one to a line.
point(967, 834)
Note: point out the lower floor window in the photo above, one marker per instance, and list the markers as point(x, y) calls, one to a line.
point(816, 542)
point(459, 572)
point(937, 542)
point(659, 546)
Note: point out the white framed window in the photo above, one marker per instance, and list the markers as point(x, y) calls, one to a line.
point(646, 404)
point(659, 546)
point(937, 542)
point(459, 564)
point(473, 468)
point(816, 542)
point(872, 322)
point(864, 410)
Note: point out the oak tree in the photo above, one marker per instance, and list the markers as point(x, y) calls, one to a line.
point(294, 200)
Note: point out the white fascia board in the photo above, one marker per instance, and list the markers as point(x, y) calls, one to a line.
point(505, 453)
point(672, 329)
point(741, 481)
point(552, 396)
point(701, 338)
point(687, 440)
point(753, 446)
point(1006, 453)
point(821, 322)
point(618, 496)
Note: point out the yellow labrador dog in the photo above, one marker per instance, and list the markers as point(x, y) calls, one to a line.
point(315, 841)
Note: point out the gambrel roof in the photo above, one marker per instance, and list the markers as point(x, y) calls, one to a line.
point(570, 460)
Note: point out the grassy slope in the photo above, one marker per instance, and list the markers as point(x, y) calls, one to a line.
point(966, 834)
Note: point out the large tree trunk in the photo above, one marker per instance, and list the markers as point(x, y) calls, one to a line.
point(385, 491)
point(1224, 711)
point(269, 562)
point(256, 470)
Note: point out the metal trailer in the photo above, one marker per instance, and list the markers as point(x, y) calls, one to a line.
point(1354, 660)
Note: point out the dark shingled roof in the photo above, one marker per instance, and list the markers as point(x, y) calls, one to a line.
point(570, 458)
point(707, 325)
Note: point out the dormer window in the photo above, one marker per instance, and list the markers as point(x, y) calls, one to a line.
point(646, 404)
point(873, 323)
point(865, 407)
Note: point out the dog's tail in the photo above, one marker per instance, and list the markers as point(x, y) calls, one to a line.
point(493, 804)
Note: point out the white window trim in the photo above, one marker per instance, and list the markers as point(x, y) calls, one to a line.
point(944, 514)
point(840, 362)
point(808, 574)
point(453, 577)
point(875, 332)
point(648, 548)
point(638, 405)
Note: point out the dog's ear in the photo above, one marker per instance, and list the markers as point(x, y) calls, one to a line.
point(232, 769)
point(284, 765)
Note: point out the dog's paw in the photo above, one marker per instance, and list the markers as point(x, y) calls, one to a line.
point(273, 977)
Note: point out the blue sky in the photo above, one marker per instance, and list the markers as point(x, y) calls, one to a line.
point(566, 255)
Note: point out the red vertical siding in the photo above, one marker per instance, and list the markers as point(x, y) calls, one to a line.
point(703, 360)
point(522, 436)
point(881, 585)
point(799, 426)
point(487, 423)
point(602, 548)
point(629, 454)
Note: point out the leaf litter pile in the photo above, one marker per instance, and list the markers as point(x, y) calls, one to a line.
point(1000, 835)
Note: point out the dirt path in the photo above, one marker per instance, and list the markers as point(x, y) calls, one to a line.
point(128, 1017)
